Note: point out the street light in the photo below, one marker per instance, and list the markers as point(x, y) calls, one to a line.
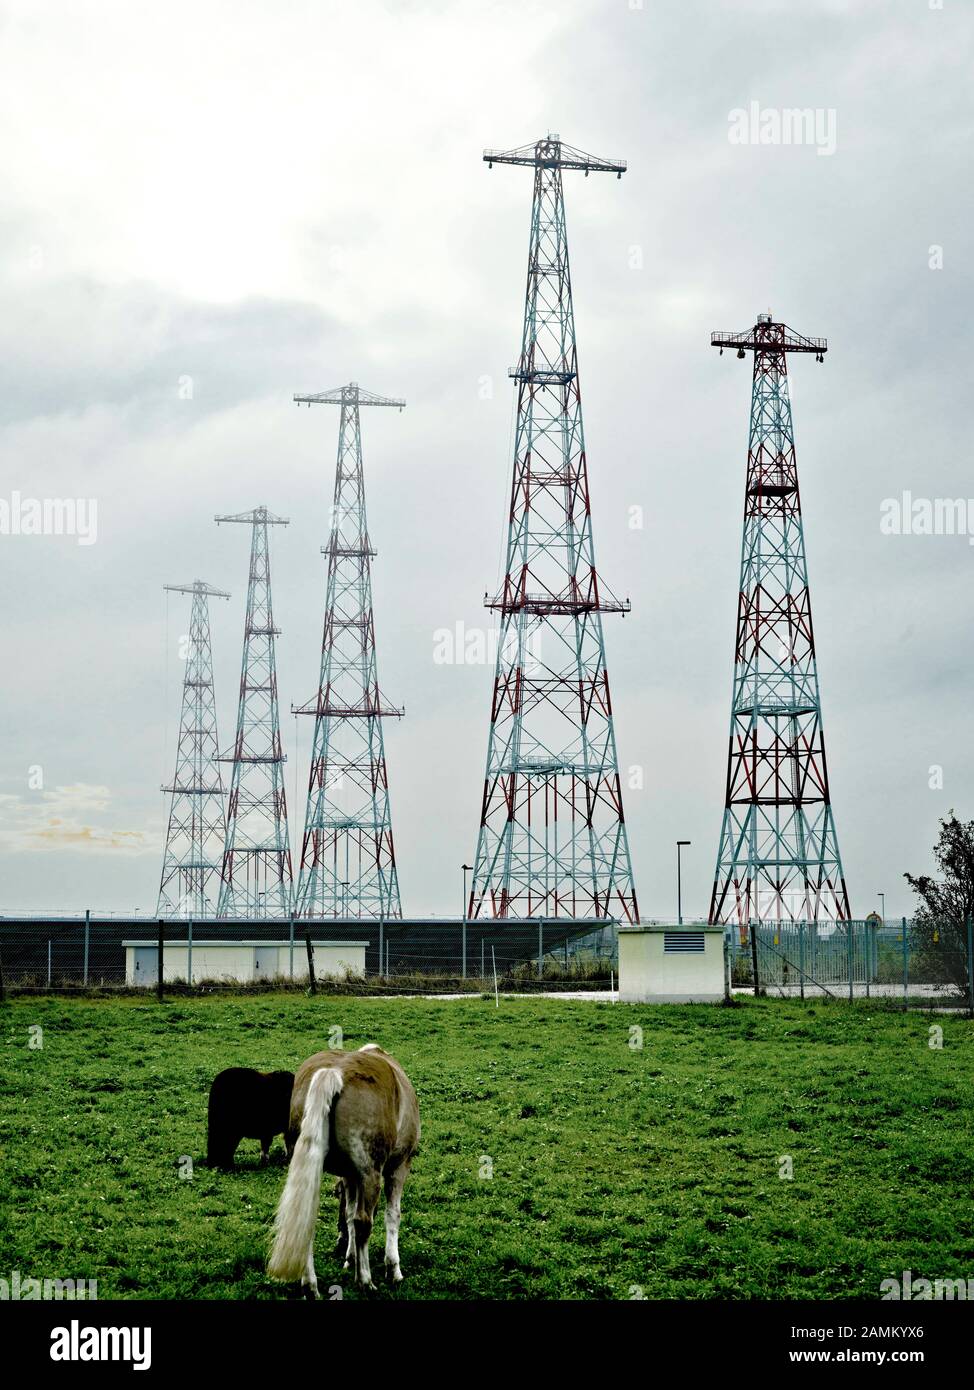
point(345, 898)
point(467, 869)
point(882, 902)
point(679, 885)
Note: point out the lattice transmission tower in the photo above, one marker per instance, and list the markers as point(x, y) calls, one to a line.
point(348, 860)
point(256, 877)
point(779, 854)
point(553, 838)
point(191, 865)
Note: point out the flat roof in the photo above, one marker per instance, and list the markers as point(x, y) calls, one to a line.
point(664, 926)
point(232, 941)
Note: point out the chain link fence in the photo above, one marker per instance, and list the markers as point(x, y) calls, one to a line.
point(916, 963)
point(416, 956)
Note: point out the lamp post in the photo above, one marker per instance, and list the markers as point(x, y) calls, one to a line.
point(345, 899)
point(467, 869)
point(679, 884)
point(874, 954)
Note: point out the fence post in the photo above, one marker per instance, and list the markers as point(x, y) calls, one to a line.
point(754, 958)
point(189, 953)
point(3, 992)
point(381, 947)
point(463, 938)
point(906, 967)
point(540, 949)
point(876, 953)
point(159, 979)
point(849, 951)
point(49, 962)
point(311, 959)
point(87, 938)
point(290, 949)
point(970, 965)
point(801, 959)
point(870, 932)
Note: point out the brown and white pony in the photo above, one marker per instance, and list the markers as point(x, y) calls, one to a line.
point(354, 1114)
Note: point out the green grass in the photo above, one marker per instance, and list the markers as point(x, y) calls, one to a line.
point(612, 1167)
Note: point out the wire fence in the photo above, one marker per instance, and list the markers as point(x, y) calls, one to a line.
point(916, 963)
point(418, 956)
point(919, 963)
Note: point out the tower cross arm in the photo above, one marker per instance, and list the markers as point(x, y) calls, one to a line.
point(764, 336)
point(553, 153)
point(198, 586)
point(373, 706)
point(256, 517)
point(352, 394)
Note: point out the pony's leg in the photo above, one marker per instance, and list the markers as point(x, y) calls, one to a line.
point(395, 1181)
point(341, 1245)
point(349, 1203)
point(368, 1198)
point(265, 1149)
point(310, 1280)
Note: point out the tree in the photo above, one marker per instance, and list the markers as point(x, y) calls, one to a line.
point(939, 933)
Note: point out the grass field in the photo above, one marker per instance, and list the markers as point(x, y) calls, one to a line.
point(615, 1170)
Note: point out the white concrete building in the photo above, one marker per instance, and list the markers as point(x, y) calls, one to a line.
point(671, 965)
point(245, 961)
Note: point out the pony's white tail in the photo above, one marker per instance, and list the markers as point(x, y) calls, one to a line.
point(297, 1210)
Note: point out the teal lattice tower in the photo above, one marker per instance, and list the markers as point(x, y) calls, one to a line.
point(256, 879)
point(348, 859)
point(553, 838)
point(779, 854)
point(190, 883)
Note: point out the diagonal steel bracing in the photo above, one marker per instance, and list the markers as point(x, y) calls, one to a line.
point(553, 838)
point(779, 855)
point(193, 857)
point(348, 860)
point(256, 879)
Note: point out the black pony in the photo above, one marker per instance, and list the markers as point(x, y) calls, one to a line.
point(246, 1104)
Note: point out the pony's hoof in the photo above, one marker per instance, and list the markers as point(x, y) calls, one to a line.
point(394, 1274)
point(310, 1291)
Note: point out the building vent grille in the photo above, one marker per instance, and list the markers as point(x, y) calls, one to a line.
point(683, 943)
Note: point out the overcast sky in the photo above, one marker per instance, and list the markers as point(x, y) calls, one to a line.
point(243, 200)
